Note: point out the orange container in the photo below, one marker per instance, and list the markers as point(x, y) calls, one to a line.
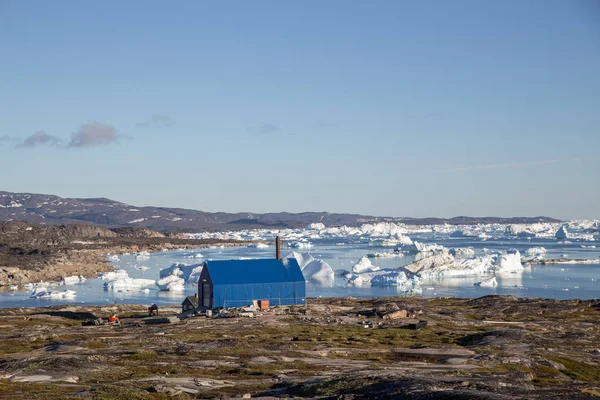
point(263, 304)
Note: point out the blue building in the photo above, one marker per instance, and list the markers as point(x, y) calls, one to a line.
point(236, 283)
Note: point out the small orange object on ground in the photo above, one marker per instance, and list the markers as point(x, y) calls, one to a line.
point(263, 304)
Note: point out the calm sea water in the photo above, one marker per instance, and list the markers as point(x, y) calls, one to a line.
point(561, 281)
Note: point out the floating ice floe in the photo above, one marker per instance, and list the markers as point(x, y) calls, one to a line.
point(142, 255)
point(141, 268)
point(491, 282)
point(112, 275)
point(536, 251)
point(113, 257)
point(583, 246)
point(364, 265)
point(72, 280)
point(418, 247)
point(43, 293)
point(197, 255)
point(462, 252)
point(258, 246)
point(13, 287)
point(388, 254)
point(128, 283)
point(381, 278)
point(171, 283)
point(301, 245)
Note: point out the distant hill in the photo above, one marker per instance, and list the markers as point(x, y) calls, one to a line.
point(54, 210)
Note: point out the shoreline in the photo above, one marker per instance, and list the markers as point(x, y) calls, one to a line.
point(79, 260)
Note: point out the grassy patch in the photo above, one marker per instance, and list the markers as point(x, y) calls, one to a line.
point(142, 355)
point(578, 370)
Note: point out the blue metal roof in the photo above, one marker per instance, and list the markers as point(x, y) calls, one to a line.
point(270, 270)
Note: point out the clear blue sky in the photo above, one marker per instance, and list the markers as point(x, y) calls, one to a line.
point(402, 108)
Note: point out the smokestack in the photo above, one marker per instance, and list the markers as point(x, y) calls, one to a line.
point(278, 248)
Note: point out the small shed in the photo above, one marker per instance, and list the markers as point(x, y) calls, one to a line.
point(190, 303)
point(237, 283)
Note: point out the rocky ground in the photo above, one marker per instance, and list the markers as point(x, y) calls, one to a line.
point(34, 253)
point(495, 347)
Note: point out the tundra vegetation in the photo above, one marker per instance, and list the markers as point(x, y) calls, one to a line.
point(495, 347)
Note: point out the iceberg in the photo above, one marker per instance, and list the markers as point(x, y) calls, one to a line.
point(128, 284)
point(508, 264)
point(142, 255)
point(313, 268)
point(364, 265)
point(113, 257)
point(562, 233)
point(418, 247)
point(462, 267)
point(386, 277)
point(171, 283)
point(43, 293)
point(258, 246)
point(112, 275)
point(315, 226)
point(536, 252)
point(462, 252)
point(389, 254)
point(491, 282)
point(319, 271)
point(429, 263)
point(189, 273)
point(72, 280)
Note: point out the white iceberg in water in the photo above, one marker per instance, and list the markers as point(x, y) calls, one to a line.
point(313, 268)
point(364, 265)
point(508, 264)
point(462, 252)
point(258, 246)
point(536, 252)
point(112, 275)
point(461, 267)
point(189, 273)
point(418, 247)
point(562, 233)
point(389, 254)
point(142, 255)
point(431, 262)
point(491, 282)
point(72, 280)
point(171, 283)
point(43, 293)
point(382, 278)
point(315, 226)
point(197, 255)
point(128, 283)
point(113, 257)
point(301, 245)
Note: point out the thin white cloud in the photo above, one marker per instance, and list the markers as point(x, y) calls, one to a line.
point(507, 165)
point(267, 128)
point(40, 138)
point(94, 134)
point(157, 121)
